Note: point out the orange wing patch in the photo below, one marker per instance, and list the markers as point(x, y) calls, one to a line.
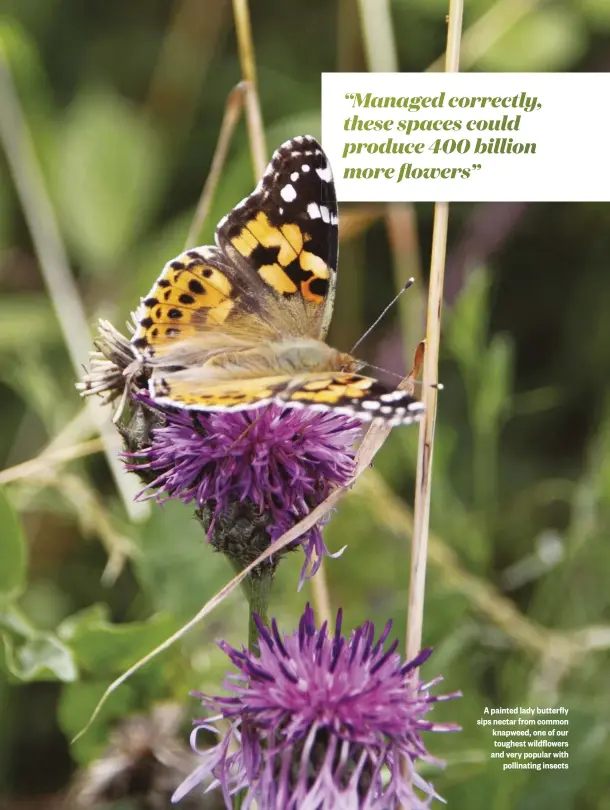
point(293, 268)
point(331, 391)
point(188, 296)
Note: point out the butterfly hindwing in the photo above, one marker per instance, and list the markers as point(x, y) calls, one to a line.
point(286, 232)
point(190, 293)
point(352, 394)
point(198, 293)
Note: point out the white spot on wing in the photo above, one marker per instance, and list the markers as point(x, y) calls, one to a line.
point(288, 193)
point(325, 213)
point(305, 167)
point(325, 174)
point(371, 405)
point(313, 211)
point(393, 396)
point(294, 176)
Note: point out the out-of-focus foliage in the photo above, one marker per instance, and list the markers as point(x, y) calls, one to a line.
point(124, 102)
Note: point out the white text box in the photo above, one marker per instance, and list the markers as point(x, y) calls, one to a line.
point(468, 136)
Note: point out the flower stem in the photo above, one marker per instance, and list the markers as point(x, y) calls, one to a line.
point(254, 118)
point(421, 520)
point(233, 110)
point(257, 588)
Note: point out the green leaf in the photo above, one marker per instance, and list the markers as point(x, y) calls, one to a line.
point(29, 654)
point(14, 555)
point(107, 176)
point(41, 657)
point(598, 478)
point(107, 649)
point(490, 407)
point(12, 618)
point(466, 327)
point(178, 569)
point(492, 402)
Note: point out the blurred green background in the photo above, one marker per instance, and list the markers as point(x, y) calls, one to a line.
point(124, 103)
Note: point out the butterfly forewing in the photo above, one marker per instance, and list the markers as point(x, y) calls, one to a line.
point(286, 232)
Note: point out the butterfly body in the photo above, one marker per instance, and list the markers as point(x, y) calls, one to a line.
point(243, 324)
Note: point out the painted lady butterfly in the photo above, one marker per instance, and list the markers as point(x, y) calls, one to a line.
point(242, 324)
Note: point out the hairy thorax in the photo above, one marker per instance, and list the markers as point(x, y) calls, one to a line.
point(288, 357)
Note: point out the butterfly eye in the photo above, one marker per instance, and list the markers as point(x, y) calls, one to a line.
point(347, 364)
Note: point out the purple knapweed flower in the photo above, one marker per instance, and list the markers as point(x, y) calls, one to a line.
point(320, 723)
point(284, 462)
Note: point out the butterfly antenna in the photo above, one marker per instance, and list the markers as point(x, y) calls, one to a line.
point(385, 370)
point(389, 306)
point(439, 386)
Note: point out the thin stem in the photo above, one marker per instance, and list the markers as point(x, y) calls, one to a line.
point(232, 114)
point(259, 589)
point(417, 583)
point(320, 595)
point(254, 118)
point(482, 35)
point(52, 258)
point(48, 459)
